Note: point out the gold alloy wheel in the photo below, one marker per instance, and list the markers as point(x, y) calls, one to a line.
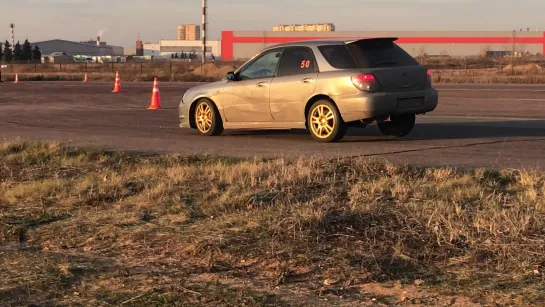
point(203, 117)
point(322, 121)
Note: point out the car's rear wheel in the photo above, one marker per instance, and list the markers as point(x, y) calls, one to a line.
point(207, 118)
point(325, 123)
point(398, 125)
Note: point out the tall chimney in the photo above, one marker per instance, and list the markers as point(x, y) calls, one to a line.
point(98, 40)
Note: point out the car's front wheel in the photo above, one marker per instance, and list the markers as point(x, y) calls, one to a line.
point(325, 123)
point(207, 118)
point(398, 125)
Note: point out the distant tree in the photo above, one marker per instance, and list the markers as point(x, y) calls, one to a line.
point(1, 52)
point(18, 52)
point(182, 56)
point(36, 53)
point(172, 55)
point(8, 54)
point(27, 51)
point(176, 56)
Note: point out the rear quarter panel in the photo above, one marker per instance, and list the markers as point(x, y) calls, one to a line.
point(338, 85)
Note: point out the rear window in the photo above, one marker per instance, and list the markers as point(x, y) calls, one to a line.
point(367, 54)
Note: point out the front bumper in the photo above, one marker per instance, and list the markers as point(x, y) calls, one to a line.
point(360, 106)
point(183, 115)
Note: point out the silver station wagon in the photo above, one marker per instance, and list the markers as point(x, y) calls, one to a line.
point(324, 86)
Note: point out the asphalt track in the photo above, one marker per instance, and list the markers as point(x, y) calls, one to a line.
point(495, 126)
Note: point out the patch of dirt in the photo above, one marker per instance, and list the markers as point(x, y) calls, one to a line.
point(212, 70)
point(523, 68)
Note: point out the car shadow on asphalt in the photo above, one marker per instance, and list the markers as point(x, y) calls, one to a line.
point(421, 131)
point(478, 129)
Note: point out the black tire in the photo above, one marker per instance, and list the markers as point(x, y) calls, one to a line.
point(398, 125)
point(216, 127)
point(339, 126)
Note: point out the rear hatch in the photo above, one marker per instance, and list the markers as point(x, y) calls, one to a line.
point(394, 69)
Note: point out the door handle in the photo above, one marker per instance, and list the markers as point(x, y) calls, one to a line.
point(307, 80)
point(261, 84)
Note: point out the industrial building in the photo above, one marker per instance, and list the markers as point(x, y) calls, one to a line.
point(90, 48)
point(139, 48)
point(165, 48)
point(315, 27)
point(189, 32)
point(241, 45)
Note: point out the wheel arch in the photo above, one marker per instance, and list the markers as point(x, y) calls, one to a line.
point(315, 98)
point(192, 122)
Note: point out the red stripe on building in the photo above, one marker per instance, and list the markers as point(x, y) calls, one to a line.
point(401, 40)
point(227, 45)
point(228, 39)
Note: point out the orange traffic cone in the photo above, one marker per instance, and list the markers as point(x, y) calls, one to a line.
point(117, 85)
point(16, 78)
point(155, 97)
point(85, 79)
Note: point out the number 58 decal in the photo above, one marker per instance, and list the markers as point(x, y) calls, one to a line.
point(305, 64)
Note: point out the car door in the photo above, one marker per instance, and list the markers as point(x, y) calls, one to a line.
point(293, 85)
point(246, 99)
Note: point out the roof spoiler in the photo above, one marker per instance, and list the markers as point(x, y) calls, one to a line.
point(371, 39)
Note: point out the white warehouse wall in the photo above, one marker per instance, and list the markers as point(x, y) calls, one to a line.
point(168, 47)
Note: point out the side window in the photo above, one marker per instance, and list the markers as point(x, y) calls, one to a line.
point(262, 67)
point(338, 56)
point(296, 61)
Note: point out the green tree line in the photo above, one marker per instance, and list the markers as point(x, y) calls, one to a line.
point(23, 52)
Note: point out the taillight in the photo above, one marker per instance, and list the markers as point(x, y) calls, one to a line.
point(364, 82)
point(428, 78)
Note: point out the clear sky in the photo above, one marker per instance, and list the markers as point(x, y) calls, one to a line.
point(120, 21)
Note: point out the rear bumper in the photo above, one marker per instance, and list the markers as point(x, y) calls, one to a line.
point(375, 105)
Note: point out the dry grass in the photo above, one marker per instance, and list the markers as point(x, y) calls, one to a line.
point(485, 76)
point(523, 73)
point(83, 226)
point(164, 71)
point(187, 77)
point(489, 76)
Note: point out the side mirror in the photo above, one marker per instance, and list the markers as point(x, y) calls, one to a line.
point(231, 76)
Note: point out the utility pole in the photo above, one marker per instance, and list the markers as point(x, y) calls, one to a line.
point(12, 26)
point(513, 54)
point(203, 30)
